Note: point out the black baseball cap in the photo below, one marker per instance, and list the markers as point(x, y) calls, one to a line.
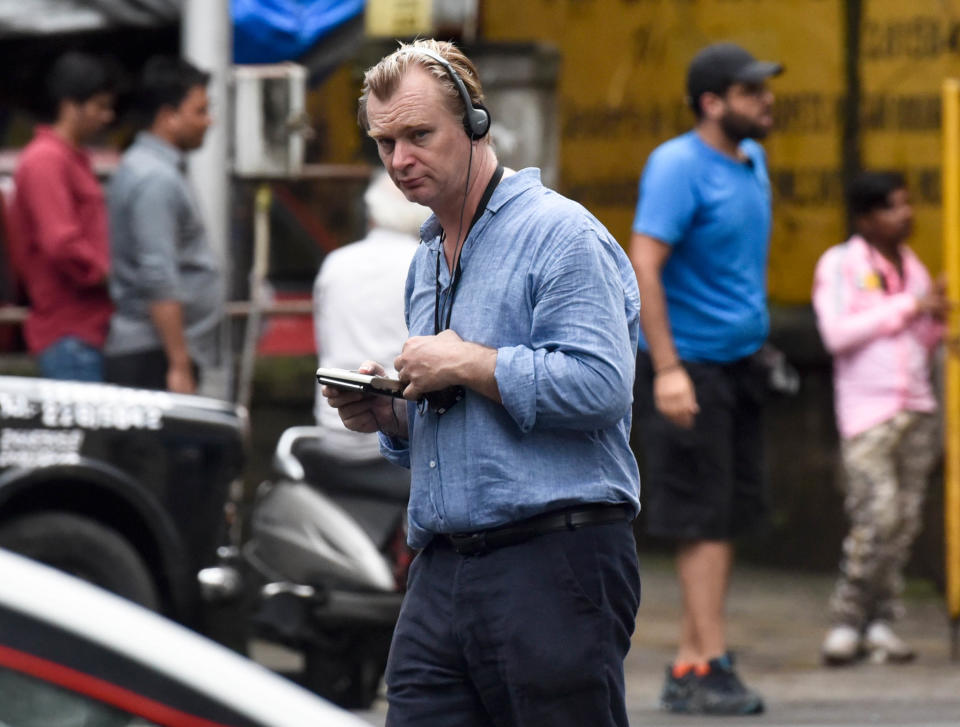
point(717, 67)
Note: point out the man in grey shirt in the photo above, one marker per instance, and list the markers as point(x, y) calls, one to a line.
point(165, 281)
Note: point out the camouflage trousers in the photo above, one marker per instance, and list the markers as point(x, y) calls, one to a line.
point(886, 479)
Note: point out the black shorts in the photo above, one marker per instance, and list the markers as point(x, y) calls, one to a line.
point(704, 483)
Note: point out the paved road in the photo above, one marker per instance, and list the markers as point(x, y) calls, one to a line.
point(777, 622)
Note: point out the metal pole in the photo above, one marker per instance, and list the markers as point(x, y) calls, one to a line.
point(951, 266)
point(258, 273)
point(207, 42)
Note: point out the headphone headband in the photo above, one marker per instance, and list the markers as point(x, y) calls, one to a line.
point(476, 119)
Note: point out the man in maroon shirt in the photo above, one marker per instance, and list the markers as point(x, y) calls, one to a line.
point(59, 210)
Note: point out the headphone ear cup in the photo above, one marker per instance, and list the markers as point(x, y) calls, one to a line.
point(477, 121)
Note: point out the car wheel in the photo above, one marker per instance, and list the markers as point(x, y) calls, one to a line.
point(84, 548)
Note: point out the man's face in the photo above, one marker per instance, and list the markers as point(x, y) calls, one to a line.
point(892, 223)
point(421, 142)
point(191, 119)
point(93, 115)
point(748, 111)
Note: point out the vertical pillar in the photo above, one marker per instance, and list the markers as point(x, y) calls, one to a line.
point(207, 42)
point(951, 414)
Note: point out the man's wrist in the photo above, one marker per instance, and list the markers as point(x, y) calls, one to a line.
point(476, 363)
point(659, 370)
point(392, 428)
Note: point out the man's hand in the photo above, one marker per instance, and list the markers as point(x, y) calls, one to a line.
point(167, 317)
point(675, 398)
point(935, 302)
point(432, 363)
point(180, 378)
point(429, 363)
point(367, 412)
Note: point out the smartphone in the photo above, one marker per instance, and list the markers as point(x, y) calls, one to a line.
point(352, 380)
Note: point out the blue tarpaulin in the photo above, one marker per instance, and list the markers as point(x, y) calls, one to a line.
point(270, 31)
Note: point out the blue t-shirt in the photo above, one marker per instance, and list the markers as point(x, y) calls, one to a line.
point(715, 213)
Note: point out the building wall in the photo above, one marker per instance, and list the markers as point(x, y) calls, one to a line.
point(621, 94)
point(907, 49)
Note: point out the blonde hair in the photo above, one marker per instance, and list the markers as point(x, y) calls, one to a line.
point(382, 79)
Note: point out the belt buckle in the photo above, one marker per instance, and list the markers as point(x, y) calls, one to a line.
point(469, 544)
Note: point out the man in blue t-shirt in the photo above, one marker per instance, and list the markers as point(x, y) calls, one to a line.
point(699, 248)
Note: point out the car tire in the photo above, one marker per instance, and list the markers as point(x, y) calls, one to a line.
point(84, 548)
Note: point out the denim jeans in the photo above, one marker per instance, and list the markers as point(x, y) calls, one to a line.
point(71, 359)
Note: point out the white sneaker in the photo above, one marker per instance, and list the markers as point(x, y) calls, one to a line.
point(884, 645)
point(842, 645)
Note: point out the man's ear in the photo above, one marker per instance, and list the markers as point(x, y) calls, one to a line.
point(164, 115)
point(66, 110)
point(862, 223)
point(711, 104)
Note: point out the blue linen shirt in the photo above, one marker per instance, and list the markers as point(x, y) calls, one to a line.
point(545, 284)
point(715, 213)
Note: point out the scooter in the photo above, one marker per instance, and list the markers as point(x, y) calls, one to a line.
point(328, 559)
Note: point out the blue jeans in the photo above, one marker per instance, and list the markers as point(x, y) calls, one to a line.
point(529, 634)
point(71, 359)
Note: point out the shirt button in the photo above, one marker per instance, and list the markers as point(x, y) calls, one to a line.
point(433, 463)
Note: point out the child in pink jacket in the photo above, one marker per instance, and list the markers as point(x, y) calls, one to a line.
point(880, 316)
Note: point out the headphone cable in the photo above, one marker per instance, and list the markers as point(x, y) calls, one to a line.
point(455, 272)
point(463, 207)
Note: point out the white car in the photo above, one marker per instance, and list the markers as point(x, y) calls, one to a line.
point(72, 654)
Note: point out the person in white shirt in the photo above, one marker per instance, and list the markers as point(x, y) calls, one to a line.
point(358, 304)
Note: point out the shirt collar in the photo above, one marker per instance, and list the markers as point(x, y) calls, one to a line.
point(161, 149)
point(743, 147)
point(48, 133)
point(882, 266)
point(874, 255)
point(509, 188)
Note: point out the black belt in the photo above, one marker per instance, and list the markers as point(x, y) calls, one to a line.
point(551, 522)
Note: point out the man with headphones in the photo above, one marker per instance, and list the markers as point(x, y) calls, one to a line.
point(523, 313)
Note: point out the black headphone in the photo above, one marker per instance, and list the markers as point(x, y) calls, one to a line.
point(476, 119)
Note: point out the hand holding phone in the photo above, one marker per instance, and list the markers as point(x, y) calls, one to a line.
point(354, 381)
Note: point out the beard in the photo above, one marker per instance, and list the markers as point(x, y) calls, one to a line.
point(739, 127)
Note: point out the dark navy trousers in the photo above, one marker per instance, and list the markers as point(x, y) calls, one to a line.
point(528, 635)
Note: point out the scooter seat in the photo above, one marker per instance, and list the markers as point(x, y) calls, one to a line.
point(378, 479)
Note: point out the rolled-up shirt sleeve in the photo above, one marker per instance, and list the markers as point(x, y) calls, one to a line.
point(578, 371)
point(395, 450)
point(153, 225)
